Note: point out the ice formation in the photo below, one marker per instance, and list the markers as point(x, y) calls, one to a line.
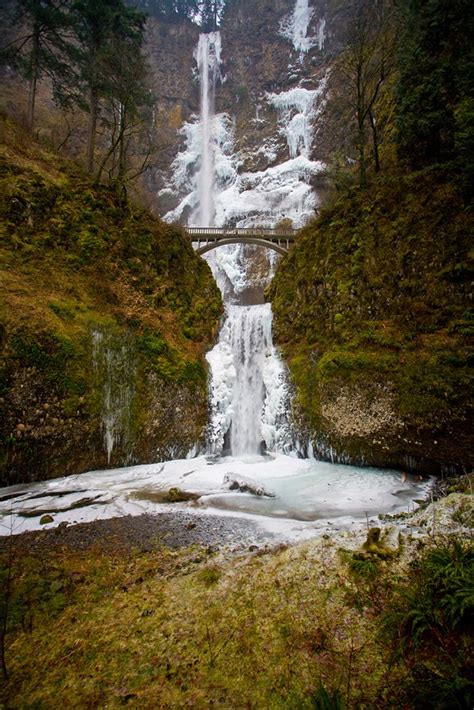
point(249, 394)
point(248, 389)
point(295, 28)
point(261, 198)
point(111, 359)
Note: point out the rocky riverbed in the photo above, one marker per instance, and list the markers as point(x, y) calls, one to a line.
point(144, 533)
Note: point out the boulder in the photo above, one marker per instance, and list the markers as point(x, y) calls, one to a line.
point(384, 545)
point(234, 482)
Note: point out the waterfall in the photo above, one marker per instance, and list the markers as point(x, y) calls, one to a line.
point(248, 388)
point(249, 392)
point(208, 60)
point(251, 339)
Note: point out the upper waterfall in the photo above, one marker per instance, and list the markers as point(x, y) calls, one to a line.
point(208, 58)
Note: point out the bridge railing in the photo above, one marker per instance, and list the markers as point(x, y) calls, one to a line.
point(288, 234)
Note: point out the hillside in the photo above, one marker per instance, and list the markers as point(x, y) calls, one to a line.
point(372, 312)
point(330, 623)
point(106, 313)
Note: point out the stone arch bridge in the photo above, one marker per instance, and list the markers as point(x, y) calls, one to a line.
point(208, 238)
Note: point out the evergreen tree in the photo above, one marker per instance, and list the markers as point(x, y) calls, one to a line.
point(42, 47)
point(435, 91)
point(99, 25)
point(168, 10)
point(123, 113)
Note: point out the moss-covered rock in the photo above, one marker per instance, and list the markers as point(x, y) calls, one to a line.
point(105, 316)
point(372, 312)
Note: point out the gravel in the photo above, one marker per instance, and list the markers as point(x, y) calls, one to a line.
point(147, 532)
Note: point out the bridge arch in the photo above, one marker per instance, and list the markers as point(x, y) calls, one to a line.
point(208, 238)
point(246, 240)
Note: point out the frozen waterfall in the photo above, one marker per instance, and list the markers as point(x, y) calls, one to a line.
point(248, 385)
point(249, 389)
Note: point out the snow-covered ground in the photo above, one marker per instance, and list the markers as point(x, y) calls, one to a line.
point(307, 496)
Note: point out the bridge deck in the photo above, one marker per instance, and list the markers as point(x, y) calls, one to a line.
point(212, 234)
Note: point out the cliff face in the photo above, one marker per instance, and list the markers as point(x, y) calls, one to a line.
point(263, 54)
point(169, 51)
point(260, 65)
point(372, 311)
point(106, 315)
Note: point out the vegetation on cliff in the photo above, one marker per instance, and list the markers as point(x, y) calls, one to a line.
point(106, 313)
point(371, 309)
point(372, 306)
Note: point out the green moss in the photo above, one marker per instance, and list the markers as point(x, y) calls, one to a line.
point(432, 385)
point(351, 363)
point(152, 345)
point(377, 290)
point(79, 263)
point(210, 576)
point(56, 356)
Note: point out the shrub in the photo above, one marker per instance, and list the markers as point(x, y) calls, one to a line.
point(327, 700)
point(429, 623)
point(210, 576)
point(439, 596)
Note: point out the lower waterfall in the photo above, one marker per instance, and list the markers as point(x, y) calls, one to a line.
point(248, 389)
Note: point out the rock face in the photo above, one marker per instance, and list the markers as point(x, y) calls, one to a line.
point(259, 59)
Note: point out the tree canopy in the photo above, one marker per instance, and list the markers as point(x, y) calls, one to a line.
point(205, 12)
point(435, 88)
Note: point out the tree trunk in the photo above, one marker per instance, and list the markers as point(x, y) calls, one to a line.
point(122, 156)
point(93, 109)
point(31, 103)
point(361, 125)
point(375, 141)
point(361, 151)
point(34, 78)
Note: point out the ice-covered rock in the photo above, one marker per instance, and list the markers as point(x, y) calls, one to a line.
point(233, 482)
